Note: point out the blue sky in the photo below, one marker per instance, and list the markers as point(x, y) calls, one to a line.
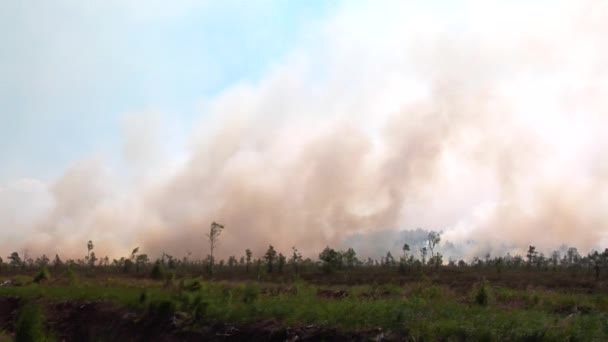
point(70, 70)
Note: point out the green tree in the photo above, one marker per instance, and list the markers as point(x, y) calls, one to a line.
point(15, 260)
point(281, 262)
point(296, 260)
point(389, 260)
point(572, 256)
point(423, 254)
point(531, 255)
point(57, 262)
point(248, 254)
point(331, 259)
point(270, 257)
point(42, 261)
point(92, 259)
point(350, 257)
point(436, 260)
point(405, 260)
point(232, 261)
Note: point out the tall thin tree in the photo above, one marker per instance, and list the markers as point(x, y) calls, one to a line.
point(90, 248)
point(214, 234)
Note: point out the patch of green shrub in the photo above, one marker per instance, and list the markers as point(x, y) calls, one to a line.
point(72, 277)
point(43, 275)
point(199, 308)
point(30, 324)
point(22, 280)
point(482, 293)
point(251, 293)
point(193, 285)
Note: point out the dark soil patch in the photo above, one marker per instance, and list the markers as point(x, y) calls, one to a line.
point(274, 331)
point(279, 290)
point(337, 294)
point(8, 313)
point(380, 295)
point(101, 321)
point(573, 309)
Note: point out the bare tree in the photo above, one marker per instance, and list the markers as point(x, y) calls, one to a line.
point(89, 248)
point(433, 239)
point(214, 233)
point(406, 248)
point(134, 253)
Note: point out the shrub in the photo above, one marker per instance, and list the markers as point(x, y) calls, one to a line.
point(199, 308)
point(250, 293)
point(72, 276)
point(30, 324)
point(22, 280)
point(482, 294)
point(194, 285)
point(42, 275)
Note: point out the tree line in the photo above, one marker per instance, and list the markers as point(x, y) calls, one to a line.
point(329, 260)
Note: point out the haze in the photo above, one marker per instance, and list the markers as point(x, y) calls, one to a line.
point(137, 124)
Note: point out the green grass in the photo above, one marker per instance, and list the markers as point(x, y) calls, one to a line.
point(30, 324)
point(421, 310)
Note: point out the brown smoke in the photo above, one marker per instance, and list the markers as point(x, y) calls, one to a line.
point(502, 146)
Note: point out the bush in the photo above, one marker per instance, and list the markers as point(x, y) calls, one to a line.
point(193, 286)
point(72, 276)
point(250, 293)
point(199, 308)
point(482, 294)
point(30, 324)
point(43, 275)
point(22, 280)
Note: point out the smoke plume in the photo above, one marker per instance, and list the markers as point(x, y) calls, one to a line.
point(488, 124)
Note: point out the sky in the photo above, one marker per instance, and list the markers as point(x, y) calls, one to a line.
point(302, 123)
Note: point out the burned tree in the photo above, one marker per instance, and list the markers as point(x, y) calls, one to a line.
point(213, 236)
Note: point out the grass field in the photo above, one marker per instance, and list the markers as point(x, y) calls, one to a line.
point(417, 308)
